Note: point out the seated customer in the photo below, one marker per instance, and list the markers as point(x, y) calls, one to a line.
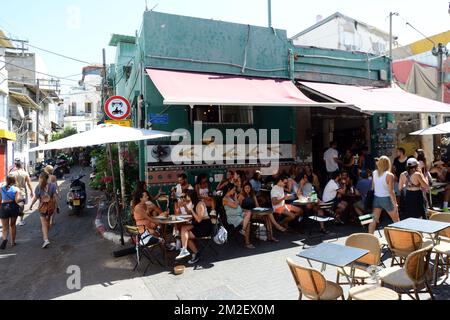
point(256, 181)
point(362, 188)
point(202, 189)
point(235, 215)
point(142, 215)
point(248, 201)
point(332, 194)
point(278, 196)
point(227, 180)
point(201, 226)
point(182, 186)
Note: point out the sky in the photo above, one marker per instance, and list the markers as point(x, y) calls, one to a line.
point(81, 28)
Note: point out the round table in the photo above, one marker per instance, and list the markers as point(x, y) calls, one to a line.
point(372, 292)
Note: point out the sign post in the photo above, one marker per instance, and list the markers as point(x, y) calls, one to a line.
point(118, 109)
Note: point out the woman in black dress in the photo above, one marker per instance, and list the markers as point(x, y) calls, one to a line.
point(201, 225)
point(415, 183)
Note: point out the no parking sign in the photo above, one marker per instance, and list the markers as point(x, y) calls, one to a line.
point(117, 108)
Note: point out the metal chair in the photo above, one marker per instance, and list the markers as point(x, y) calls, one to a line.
point(143, 250)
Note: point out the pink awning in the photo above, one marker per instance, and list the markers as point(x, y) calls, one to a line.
point(191, 88)
point(380, 100)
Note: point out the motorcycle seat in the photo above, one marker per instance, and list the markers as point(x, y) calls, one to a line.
point(77, 188)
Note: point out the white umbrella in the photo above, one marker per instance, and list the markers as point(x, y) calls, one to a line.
point(442, 128)
point(103, 134)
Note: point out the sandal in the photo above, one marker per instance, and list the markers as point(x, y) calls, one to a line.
point(250, 246)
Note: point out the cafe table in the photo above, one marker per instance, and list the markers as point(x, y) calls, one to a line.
point(335, 255)
point(423, 226)
point(164, 222)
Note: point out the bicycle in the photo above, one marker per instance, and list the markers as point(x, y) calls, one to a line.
point(113, 215)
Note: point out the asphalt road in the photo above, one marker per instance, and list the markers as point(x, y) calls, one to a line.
point(30, 272)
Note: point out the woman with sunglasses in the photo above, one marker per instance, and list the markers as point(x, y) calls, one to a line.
point(201, 226)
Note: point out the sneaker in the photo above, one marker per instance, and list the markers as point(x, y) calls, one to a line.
point(195, 258)
point(22, 223)
point(183, 254)
point(46, 244)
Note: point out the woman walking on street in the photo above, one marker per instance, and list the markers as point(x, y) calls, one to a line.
point(46, 194)
point(383, 185)
point(10, 197)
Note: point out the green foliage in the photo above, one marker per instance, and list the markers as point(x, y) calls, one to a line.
point(69, 131)
point(103, 179)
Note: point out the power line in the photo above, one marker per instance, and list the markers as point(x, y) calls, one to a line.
point(60, 55)
point(45, 74)
point(423, 35)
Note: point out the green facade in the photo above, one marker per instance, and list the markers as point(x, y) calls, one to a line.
point(191, 44)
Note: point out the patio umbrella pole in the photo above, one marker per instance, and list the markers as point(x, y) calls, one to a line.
point(116, 200)
point(122, 186)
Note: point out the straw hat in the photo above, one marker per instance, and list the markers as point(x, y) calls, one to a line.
point(48, 169)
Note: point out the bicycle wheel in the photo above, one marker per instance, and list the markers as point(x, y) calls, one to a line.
point(112, 216)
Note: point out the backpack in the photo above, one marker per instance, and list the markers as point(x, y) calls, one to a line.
point(47, 204)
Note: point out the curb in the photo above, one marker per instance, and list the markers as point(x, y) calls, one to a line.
point(111, 236)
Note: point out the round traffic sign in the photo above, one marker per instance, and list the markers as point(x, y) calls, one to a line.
point(117, 108)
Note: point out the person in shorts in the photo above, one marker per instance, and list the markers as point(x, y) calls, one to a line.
point(287, 213)
point(9, 199)
point(22, 182)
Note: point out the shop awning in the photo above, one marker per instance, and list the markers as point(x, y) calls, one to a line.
point(8, 135)
point(192, 88)
point(377, 100)
point(24, 100)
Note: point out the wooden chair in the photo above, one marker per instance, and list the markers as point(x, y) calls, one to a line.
point(362, 241)
point(412, 276)
point(402, 242)
point(442, 250)
point(313, 285)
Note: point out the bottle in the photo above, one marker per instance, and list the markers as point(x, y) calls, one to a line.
point(313, 195)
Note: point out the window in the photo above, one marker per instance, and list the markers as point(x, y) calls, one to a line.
point(88, 107)
point(223, 114)
point(73, 110)
point(88, 126)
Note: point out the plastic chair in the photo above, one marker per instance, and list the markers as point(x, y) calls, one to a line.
point(313, 285)
point(412, 276)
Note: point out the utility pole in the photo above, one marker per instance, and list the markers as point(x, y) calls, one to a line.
point(440, 51)
point(269, 4)
point(390, 43)
point(38, 101)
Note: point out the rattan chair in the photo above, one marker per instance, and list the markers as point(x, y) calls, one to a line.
point(442, 250)
point(402, 242)
point(313, 285)
point(362, 241)
point(412, 276)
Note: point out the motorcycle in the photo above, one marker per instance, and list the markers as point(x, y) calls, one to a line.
point(61, 168)
point(76, 197)
point(39, 167)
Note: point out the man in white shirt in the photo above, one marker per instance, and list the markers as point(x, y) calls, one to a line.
point(279, 205)
point(331, 157)
point(182, 186)
point(332, 193)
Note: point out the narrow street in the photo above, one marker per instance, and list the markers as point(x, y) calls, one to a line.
point(29, 272)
